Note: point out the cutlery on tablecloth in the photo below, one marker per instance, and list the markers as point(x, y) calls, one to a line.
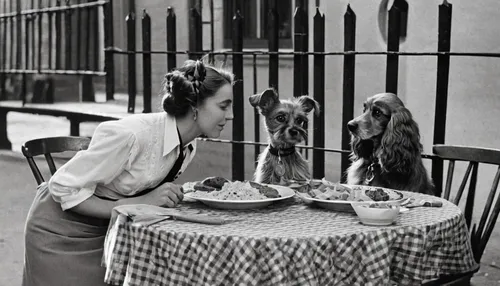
point(425, 203)
point(148, 220)
point(409, 203)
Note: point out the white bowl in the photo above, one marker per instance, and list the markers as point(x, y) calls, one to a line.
point(376, 215)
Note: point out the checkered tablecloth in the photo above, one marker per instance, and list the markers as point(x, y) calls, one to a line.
point(289, 244)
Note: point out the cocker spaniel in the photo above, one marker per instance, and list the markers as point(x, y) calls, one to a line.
point(386, 148)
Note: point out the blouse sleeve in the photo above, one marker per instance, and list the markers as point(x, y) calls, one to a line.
point(109, 152)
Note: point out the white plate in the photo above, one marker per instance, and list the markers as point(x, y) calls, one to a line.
point(245, 204)
point(340, 205)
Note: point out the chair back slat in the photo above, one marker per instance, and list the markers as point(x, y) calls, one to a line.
point(463, 153)
point(462, 185)
point(481, 232)
point(489, 203)
point(34, 169)
point(471, 194)
point(50, 162)
point(56, 145)
point(449, 179)
point(489, 228)
point(48, 146)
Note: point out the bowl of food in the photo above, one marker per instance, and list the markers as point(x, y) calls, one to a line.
point(376, 213)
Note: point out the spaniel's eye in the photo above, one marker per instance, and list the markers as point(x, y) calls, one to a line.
point(377, 112)
point(280, 118)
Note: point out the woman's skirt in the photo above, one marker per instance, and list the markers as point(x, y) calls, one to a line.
point(62, 248)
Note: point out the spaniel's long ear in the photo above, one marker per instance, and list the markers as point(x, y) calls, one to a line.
point(360, 148)
point(264, 101)
point(400, 145)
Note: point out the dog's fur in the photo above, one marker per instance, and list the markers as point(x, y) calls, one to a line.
point(285, 122)
point(386, 136)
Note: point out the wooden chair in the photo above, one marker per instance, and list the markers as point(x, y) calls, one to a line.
point(480, 233)
point(47, 146)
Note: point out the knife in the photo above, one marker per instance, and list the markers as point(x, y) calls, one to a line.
point(425, 203)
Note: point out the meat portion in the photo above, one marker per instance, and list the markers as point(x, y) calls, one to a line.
point(377, 194)
point(215, 182)
point(203, 188)
point(266, 191)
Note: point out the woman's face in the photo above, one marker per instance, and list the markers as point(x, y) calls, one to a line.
point(215, 111)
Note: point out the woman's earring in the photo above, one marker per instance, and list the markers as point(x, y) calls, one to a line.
point(195, 114)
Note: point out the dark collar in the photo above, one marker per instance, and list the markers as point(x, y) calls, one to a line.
point(374, 160)
point(281, 152)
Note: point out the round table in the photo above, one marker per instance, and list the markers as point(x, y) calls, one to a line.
point(290, 243)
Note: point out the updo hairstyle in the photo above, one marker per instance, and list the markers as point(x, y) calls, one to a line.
point(189, 86)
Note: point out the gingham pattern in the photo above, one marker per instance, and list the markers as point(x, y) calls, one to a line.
point(290, 244)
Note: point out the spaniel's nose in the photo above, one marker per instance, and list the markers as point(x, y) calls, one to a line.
point(352, 126)
point(293, 132)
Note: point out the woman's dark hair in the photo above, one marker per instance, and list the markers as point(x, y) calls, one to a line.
point(189, 86)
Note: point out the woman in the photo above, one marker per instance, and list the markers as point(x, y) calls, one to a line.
point(129, 161)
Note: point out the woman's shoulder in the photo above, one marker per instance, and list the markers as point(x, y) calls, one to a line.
point(137, 123)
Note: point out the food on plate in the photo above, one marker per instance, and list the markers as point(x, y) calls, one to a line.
point(210, 184)
point(381, 205)
point(215, 182)
point(378, 194)
point(266, 190)
point(325, 190)
point(333, 192)
point(200, 187)
point(188, 187)
point(237, 190)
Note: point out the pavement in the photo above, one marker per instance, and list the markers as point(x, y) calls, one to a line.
point(18, 188)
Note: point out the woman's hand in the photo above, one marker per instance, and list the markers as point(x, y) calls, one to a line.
point(165, 195)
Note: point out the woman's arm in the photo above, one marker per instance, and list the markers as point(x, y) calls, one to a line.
point(168, 195)
point(111, 151)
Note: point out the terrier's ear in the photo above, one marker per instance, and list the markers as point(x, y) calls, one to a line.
point(265, 101)
point(308, 104)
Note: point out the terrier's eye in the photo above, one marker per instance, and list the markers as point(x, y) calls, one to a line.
point(299, 121)
point(280, 118)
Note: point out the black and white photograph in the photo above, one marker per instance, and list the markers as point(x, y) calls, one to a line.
point(249, 142)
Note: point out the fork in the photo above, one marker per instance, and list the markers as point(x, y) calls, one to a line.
point(156, 218)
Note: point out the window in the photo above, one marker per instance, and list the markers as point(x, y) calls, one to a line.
point(255, 22)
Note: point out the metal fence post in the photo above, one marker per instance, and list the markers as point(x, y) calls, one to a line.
point(132, 90)
point(195, 35)
point(298, 59)
point(273, 44)
point(58, 43)
point(67, 41)
point(300, 66)
point(319, 95)
point(3, 55)
point(391, 84)
point(348, 86)
point(109, 63)
point(146, 61)
point(238, 156)
point(171, 39)
point(443, 71)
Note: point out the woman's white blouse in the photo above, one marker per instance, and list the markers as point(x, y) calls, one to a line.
point(124, 157)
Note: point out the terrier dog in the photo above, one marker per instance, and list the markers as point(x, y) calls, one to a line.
point(286, 122)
